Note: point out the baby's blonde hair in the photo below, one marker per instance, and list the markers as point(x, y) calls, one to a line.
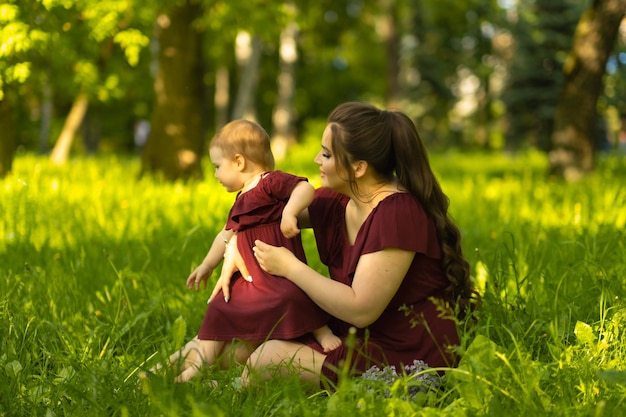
point(246, 138)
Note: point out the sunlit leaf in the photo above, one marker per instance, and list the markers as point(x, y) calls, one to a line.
point(584, 333)
point(13, 368)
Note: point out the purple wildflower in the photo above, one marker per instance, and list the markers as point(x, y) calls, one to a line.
point(414, 376)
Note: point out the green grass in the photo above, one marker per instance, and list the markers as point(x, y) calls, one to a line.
point(93, 265)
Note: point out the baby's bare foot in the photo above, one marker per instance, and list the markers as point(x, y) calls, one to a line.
point(330, 342)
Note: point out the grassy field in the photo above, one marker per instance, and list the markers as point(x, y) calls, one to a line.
point(93, 265)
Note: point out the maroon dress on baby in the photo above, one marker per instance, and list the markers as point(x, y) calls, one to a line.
point(413, 326)
point(270, 306)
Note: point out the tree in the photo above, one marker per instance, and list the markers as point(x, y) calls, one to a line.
point(93, 80)
point(73, 121)
point(210, 33)
point(573, 151)
point(391, 33)
point(7, 141)
point(284, 118)
point(452, 67)
point(175, 143)
point(248, 51)
point(542, 31)
point(57, 52)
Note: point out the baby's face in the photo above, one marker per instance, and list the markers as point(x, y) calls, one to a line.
point(226, 170)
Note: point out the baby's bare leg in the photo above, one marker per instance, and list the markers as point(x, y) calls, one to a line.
point(187, 353)
point(236, 352)
point(192, 357)
point(212, 352)
point(195, 355)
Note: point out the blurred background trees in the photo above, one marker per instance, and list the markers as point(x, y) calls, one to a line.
point(160, 77)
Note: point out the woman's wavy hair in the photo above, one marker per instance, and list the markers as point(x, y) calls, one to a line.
point(389, 142)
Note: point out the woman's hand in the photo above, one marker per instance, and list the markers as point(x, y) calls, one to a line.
point(233, 262)
point(276, 260)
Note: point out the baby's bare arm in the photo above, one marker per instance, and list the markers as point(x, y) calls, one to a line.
point(301, 196)
point(213, 258)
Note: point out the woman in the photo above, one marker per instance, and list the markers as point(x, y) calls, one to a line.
point(398, 275)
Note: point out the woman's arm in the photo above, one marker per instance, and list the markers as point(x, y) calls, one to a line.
point(304, 221)
point(377, 278)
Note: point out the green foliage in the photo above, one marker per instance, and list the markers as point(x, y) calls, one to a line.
point(454, 58)
point(542, 40)
point(93, 266)
point(450, 48)
point(132, 41)
point(51, 51)
point(16, 39)
point(34, 31)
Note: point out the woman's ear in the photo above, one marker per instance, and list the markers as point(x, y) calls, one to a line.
point(360, 168)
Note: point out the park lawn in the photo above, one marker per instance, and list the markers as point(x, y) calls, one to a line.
point(93, 265)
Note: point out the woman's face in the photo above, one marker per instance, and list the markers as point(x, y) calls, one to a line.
point(327, 162)
point(226, 170)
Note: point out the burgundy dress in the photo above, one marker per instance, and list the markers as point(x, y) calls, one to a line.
point(399, 336)
point(270, 306)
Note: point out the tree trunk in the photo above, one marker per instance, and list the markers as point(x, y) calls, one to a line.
point(92, 131)
point(249, 57)
point(222, 96)
point(61, 149)
point(391, 38)
point(573, 152)
point(47, 109)
point(7, 137)
point(175, 144)
point(283, 117)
